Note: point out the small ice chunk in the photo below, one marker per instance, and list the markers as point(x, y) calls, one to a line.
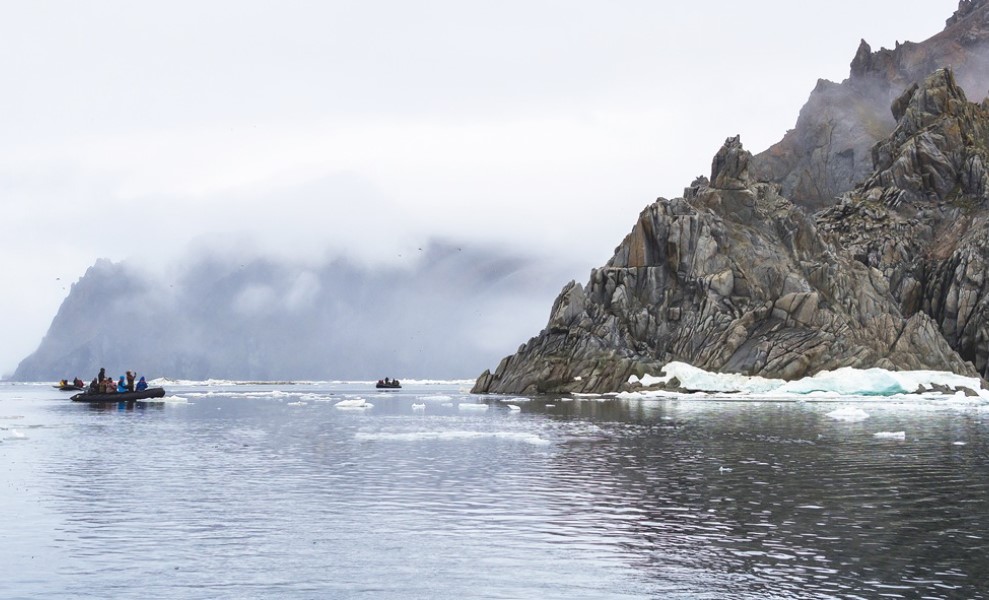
point(890, 435)
point(435, 398)
point(850, 415)
point(354, 403)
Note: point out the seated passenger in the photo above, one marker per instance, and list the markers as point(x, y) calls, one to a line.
point(108, 386)
point(94, 387)
point(121, 385)
point(142, 384)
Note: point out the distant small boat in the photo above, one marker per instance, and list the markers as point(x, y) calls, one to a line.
point(388, 385)
point(120, 396)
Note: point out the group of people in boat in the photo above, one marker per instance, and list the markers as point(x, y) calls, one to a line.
point(388, 382)
point(102, 384)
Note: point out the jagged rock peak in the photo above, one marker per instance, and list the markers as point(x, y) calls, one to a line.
point(939, 94)
point(938, 150)
point(920, 105)
point(862, 61)
point(828, 152)
point(965, 8)
point(730, 167)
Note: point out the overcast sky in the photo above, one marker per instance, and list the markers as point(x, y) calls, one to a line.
point(142, 131)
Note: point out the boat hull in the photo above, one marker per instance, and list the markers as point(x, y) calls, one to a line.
point(121, 396)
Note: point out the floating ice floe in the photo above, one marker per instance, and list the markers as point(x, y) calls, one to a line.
point(514, 407)
point(295, 404)
point(435, 398)
point(169, 400)
point(840, 382)
point(849, 414)
point(470, 406)
point(316, 397)
point(354, 404)
point(890, 435)
point(421, 406)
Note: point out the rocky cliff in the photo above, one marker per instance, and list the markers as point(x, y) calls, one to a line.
point(735, 277)
point(828, 152)
point(731, 277)
point(922, 219)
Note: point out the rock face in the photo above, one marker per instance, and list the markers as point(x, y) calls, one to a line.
point(731, 277)
point(922, 218)
point(828, 152)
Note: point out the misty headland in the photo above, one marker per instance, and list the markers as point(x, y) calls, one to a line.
point(229, 315)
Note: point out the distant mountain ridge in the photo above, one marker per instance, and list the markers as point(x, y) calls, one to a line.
point(270, 320)
point(736, 277)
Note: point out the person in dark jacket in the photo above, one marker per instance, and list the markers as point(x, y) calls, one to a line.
point(142, 384)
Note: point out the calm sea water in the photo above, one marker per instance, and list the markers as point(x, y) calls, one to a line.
point(272, 491)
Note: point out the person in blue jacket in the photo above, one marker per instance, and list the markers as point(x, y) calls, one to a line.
point(142, 384)
point(121, 385)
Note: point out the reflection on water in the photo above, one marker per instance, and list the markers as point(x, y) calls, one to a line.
point(263, 491)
